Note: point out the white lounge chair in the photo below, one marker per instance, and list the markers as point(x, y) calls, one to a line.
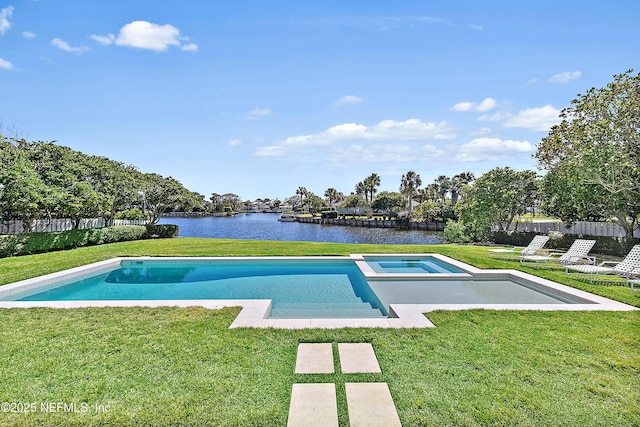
point(629, 268)
point(536, 244)
point(578, 253)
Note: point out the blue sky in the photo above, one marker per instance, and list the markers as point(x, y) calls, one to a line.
point(258, 98)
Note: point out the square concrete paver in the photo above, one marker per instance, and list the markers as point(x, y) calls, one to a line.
point(358, 358)
point(314, 358)
point(371, 405)
point(313, 405)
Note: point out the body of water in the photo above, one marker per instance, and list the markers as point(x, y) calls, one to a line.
point(263, 226)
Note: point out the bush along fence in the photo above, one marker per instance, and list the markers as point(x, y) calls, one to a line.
point(31, 243)
point(587, 228)
point(605, 245)
point(64, 224)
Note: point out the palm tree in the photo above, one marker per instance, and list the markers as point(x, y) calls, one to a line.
point(408, 184)
point(302, 192)
point(458, 182)
point(361, 189)
point(332, 195)
point(372, 182)
point(431, 193)
point(444, 185)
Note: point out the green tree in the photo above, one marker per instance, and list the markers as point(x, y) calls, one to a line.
point(216, 202)
point(159, 194)
point(21, 188)
point(458, 182)
point(81, 201)
point(332, 195)
point(388, 202)
point(230, 202)
point(354, 202)
point(371, 184)
point(121, 184)
point(443, 183)
point(361, 190)
point(302, 192)
point(495, 199)
point(314, 203)
point(593, 156)
point(409, 183)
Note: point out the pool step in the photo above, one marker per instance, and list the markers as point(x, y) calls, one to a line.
point(323, 305)
point(333, 311)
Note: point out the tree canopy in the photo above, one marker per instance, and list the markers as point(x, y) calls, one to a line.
point(592, 157)
point(44, 180)
point(495, 199)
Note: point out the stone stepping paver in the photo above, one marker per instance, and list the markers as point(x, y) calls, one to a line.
point(314, 358)
point(313, 405)
point(358, 358)
point(371, 405)
point(368, 404)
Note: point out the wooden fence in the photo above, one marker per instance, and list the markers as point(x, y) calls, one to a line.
point(581, 227)
point(64, 224)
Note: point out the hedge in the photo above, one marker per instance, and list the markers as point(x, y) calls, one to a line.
point(32, 243)
point(605, 245)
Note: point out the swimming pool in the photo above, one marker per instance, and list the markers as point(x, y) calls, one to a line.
point(321, 288)
point(419, 264)
point(303, 292)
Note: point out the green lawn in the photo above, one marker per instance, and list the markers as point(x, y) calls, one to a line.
point(172, 366)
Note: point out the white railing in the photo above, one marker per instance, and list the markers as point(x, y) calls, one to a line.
point(64, 224)
point(588, 228)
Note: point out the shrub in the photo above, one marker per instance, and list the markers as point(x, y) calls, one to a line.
point(605, 245)
point(329, 215)
point(455, 232)
point(32, 243)
point(9, 245)
point(135, 214)
point(163, 231)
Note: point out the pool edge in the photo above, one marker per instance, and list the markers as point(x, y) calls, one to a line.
point(254, 313)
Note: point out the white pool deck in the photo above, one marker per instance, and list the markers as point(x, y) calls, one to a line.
point(255, 313)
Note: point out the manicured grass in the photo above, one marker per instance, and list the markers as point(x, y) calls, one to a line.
point(173, 366)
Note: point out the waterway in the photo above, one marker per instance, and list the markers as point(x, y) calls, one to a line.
point(265, 226)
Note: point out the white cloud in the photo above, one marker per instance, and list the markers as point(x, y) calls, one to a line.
point(480, 149)
point(28, 35)
point(349, 100)
point(485, 105)
point(5, 15)
point(147, 35)
point(235, 142)
point(463, 106)
point(5, 64)
point(63, 45)
point(388, 140)
point(536, 119)
point(104, 40)
point(260, 112)
point(189, 47)
point(565, 77)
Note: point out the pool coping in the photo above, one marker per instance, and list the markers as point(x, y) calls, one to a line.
point(254, 313)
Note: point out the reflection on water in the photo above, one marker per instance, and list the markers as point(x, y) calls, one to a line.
point(262, 226)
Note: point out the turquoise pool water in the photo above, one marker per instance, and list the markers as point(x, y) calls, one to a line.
point(410, 264)
point(299, 288)
point(318, 288)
